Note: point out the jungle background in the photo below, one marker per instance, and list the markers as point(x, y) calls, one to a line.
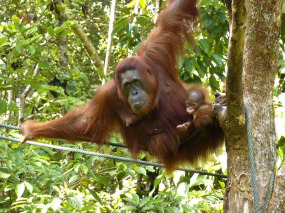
point(48, 65)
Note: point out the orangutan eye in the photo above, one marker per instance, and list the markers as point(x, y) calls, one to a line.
point(137, 83)
point(127, 86)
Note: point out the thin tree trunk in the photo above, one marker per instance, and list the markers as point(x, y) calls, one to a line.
point(62, 44)
point(23, 96)
point(10, 99)
point(109, 44)
point(236, 197)
point(90, 49)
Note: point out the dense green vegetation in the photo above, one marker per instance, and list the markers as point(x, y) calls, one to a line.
point(38, 47)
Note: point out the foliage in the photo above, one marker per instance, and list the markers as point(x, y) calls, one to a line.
point(207, 62)
point(32, 179)
point(41, 179)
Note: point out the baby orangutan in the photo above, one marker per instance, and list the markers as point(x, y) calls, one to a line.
point(197, 103)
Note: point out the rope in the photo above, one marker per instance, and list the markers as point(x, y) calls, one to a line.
point(104, 155)
point(252, 166)
point(251, 159)
point(271, 185)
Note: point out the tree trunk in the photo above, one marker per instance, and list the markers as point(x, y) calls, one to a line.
point(261, 20)
point(260, 68)
point(109, 44)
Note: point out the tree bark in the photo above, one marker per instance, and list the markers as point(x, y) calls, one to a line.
point(260, 68)
point(251, 71)
point(277, 203)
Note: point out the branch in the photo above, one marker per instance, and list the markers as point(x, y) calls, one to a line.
point(90, 49)
point(234, 88)
point(111, 26)
point(23, 96)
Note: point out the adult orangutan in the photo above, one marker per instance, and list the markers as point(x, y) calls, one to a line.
point(145, 101)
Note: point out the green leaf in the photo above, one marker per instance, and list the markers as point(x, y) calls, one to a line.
point(198, 68)
point(74, 178)
point(148, 207)
point(198, 181)
point(131, 173)
point(18, 45)
point(129, 200)
point(44, 65)
point(218, 59)
point(3, 106)
point(4, 175)
point(50, 31)
point(15, 19)
point(9, 187)
point(206, 2)
point(68, 23)
point(76, 167)
point(222, 184)
point(142, 4)
point(58, 30)
point(160, 209)
point(140, 170)
point(189, 65)
point(29, 186)
point(215, 3)
point(142, 21)
point(55, 204)
point(132, 3)
point(101, 72)
point(32, 49)
point(32, 30)
point(143, 201)
point(150, 169)
point(3, 41)
point(84, 168)
point(193, 179)
point(13, 107)
point(66, 32)
point(20, 188)
point(214, 83)
point(173, 209)
point(3, 66)
point(136, 198)
point(71, 87)
point(36, 38)
point(187, 208)
point(204, 45)
point(84, 78)
point(157, 181)
point(75, 202)
point(129, 208)
point(209, 198)
point(96, 196)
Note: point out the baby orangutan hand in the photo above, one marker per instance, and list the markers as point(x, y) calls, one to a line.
point(183, 127)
